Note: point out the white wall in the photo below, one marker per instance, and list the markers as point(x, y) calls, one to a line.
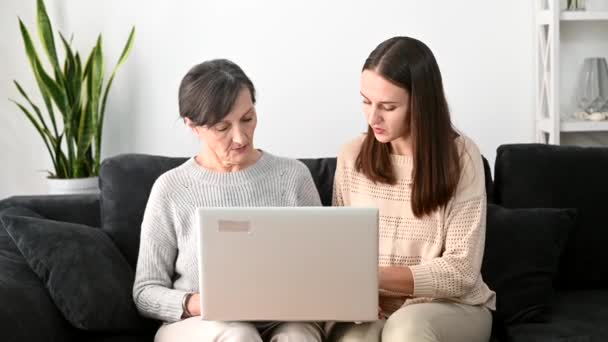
point(304, 58)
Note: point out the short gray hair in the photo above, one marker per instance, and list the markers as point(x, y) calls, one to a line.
point(209, 90)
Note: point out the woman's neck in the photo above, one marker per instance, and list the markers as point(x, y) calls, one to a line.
point(402, 146)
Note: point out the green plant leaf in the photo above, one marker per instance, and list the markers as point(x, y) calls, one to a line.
point(32, 57)
point(52, 89)
point(123, 57)
point(45, 31)
point(73, 89)
point(36, 108)
point(47, 85)
point(63, 165)
point(95, 83)
point(40, 130)
point(34, 62)
point(86, 131)
point(69, 70)
point(97, 74)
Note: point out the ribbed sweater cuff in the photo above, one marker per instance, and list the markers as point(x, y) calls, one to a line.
point(173, 311)
point(423, 281)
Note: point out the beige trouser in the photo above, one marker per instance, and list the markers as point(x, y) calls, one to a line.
point(194, 329)
point(436, 321)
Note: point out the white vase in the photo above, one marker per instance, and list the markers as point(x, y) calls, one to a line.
point(596, 5)
point(58, 186)
point(593, 85)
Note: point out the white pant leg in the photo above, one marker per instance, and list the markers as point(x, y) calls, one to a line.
point(351, 332)
point(195, 329)
point(296, 332)
point(425, 322)
point(438, 322)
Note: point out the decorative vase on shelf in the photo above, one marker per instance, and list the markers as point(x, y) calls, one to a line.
point(575, 5)
point(592, 94)
point(596, 5)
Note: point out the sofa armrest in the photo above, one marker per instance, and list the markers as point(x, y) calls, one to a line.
point(83, 209)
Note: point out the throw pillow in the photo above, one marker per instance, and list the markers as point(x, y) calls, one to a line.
point(86, 276)
point(522, 252)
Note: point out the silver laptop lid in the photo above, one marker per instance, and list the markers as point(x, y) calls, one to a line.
point(288, 263)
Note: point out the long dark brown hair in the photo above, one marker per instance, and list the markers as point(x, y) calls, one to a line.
point(410, 64)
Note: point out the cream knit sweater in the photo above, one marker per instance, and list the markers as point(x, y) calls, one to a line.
point(444, 250)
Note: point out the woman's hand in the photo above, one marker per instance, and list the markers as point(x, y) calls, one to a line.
point(398, 280)
point(194, 305)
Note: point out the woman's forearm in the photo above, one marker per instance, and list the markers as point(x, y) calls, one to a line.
point(396, 280)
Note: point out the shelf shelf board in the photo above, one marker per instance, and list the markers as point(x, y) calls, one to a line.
point(574, 125)
point(584, 16)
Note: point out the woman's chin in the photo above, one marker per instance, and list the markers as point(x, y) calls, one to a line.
point(382, 138)
point(239, 158)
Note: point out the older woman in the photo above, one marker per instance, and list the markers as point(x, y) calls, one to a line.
point(217, 102)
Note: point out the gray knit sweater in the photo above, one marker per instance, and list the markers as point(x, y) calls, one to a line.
point(167, 266)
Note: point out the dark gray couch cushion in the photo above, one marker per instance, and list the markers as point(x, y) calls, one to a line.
point(322, 171)
point(82, 208)
point(521, 257)
point(126, 180)
point(578, 316)
point(547, 176)
point(27, 312)
point(101, 337)
point(88, 279)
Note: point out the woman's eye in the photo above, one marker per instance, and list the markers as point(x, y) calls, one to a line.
point(221, 128)
point(247, 119)
point(390, 109)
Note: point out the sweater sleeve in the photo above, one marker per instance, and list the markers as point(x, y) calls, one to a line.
point(457, 270)
point(152, 291)
point(307, 193)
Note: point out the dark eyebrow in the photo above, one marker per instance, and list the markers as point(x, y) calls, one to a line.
point(248, 111)
point(382, 102)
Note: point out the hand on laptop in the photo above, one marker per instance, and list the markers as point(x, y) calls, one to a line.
point(194, 305)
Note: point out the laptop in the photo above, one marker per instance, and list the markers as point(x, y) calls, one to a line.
point(288, 264)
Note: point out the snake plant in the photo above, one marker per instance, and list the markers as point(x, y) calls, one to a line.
point(74, 96)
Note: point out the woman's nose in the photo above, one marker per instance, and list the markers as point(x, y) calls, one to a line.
point(374, 117)
point(239, 137)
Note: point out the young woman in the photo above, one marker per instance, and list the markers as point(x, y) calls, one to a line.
point(427, 179)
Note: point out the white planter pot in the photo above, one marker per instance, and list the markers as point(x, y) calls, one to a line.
point(73, 186)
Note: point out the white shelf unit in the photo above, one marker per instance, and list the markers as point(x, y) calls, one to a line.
point(548, 105)
point(583, 16)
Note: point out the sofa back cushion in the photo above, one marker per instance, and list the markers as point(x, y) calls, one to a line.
point(126, 180)
point(548, 176)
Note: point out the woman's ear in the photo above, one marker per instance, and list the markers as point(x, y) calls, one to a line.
point(193, 126)
point(189, 122)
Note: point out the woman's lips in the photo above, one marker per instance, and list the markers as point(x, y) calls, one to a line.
point(378, 130)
